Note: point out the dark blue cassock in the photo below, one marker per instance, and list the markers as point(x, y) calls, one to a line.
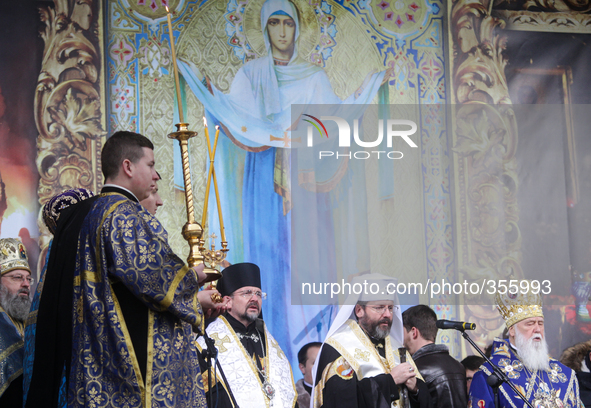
point(11, 358)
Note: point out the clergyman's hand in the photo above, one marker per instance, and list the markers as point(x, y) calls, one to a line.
point(211, 309)
point(411, 384)
point(402, 373)
point(199, 271)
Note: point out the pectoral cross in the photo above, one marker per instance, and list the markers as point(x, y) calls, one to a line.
point(286, 140)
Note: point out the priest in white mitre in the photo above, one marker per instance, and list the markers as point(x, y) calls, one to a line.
point(257, 371)
point(362, 362)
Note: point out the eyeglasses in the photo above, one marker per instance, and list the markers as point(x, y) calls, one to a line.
point(247, 294)
point(381, 309)
point(19, 278)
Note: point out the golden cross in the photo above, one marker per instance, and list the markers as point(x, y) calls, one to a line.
point(361, 355)
point(219, 343)
point(286, 140)
point(212, 241)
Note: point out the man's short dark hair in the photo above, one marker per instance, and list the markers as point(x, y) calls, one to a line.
point(120, 146)
point(472, 362)
point(423, 318)
point(303, 353)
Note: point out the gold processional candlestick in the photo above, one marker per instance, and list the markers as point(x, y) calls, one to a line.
point(192, 231)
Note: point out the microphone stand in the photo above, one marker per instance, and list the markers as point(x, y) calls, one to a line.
point(495, 383)
point(211, 352)
point(404, 401)
point(498, 377)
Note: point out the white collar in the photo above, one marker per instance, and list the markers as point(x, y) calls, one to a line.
point(122, 188)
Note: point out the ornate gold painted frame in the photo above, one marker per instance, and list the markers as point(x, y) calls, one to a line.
point(484, 137)
point(70, 111)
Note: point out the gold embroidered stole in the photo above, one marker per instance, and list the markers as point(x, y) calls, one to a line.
point(241, 373)
point(361, 354)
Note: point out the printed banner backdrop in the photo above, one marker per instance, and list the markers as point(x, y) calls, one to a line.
point(469, 191)
point(492, 191)
point(51, 111)
point(20, 60)
point(472, 191)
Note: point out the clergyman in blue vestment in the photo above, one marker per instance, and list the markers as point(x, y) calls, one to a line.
point(15, 283)
point(119, 310)
point(51, 213)
point(524, 358)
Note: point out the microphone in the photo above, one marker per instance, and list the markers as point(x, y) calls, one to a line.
point(449, 324)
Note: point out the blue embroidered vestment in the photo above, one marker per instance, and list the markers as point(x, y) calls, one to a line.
point(555, 388)
point(120, 242)
point(11, 352)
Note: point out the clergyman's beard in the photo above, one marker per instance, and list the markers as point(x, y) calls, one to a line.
point(534, 355)
point(374, 329)
point(15, 305)
point(251, 316)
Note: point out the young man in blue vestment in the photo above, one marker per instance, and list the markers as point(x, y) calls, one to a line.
point(119, 309)
point(153, 201)
point(524, 358)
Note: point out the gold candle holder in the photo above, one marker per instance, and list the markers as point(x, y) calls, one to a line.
point(192, 230)
point(213, 257)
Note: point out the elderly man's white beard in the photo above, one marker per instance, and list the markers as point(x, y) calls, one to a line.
point(534, 355)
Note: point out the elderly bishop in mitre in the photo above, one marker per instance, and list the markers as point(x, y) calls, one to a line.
point(545, 382)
